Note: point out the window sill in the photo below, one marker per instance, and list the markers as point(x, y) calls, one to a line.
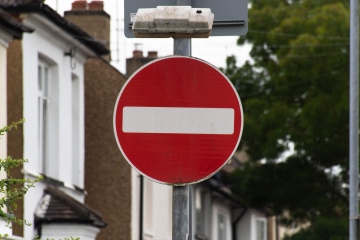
point(55, 182)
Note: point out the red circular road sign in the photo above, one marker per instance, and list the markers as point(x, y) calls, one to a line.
point(178, 120)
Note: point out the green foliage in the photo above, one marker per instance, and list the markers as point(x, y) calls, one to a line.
point(11, 188)
point(324, 228)
point(4, 237)
point(295, 92)
point(71, 238)
point(295, 185)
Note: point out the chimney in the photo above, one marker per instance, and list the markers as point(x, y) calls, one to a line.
point(152, 54)
point(92, 18)
point(96, 6)
point(79, 5)
point(138, 60)
point(137, 54)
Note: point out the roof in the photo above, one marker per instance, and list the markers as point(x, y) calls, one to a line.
point(56, 183)
point(12, 26)
point(57, 206)
point(222, 191)
point(37, 6)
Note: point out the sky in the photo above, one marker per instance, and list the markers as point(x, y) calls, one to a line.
point(213, 49)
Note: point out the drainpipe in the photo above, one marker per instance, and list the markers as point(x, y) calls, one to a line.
point(39, 229)
point(237, 220)
point(276, 227)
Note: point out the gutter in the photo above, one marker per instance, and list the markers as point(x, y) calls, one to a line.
point(68, 27)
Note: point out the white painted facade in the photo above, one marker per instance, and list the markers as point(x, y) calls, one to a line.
point(221, 221)
point(5, 38)
point(63, 231)
point(157, 211)
point(4, 41)
point(253, 226)
point(212, 217)
point(44, 52)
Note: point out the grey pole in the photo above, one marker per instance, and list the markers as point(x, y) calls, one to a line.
point(180, 215)
point(354, 120)
point(182, 46)
point(181, 194)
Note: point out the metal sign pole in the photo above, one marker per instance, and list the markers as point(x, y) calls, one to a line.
point(180, 216)
point(181, 194)
point(354, 121)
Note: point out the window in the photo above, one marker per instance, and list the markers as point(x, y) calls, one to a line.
point(75, 114)
point(148, 207)
point(43, 116)
point(200, 214)
point(48, 117)
point(261, 229)
point(221, 226)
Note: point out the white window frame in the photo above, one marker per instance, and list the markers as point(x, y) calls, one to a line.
point(148, 208)
point(224, 227)
point(220, 209)
point(200, 214)
point(76, 124)
point(43, 82)
point(48, 131)
point(264, 221)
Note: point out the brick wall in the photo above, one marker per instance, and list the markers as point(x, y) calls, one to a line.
point(107, 173)
point(138, 60)
point(15, 138)
point(92, 19)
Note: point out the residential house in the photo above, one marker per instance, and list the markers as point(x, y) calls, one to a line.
point(10, 29)
point(133, 206)
point(46, 86)
point(107, 174)
point(113, 187)
point(215, 213)
point(219, 216)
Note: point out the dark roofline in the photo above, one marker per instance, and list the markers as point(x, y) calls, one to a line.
point(56, 183)
point(87, 13)
point(53, 16)
point(85, 214)
point(12, 26)
point(217, 187)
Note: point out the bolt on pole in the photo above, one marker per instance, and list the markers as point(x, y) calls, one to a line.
point(354, 122)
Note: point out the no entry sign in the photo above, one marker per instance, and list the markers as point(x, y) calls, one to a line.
point(178, 120)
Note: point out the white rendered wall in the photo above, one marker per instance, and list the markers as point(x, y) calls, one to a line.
point(246, 228)
point(50, 43)
point(256, 215)
point(3, 116)
point(218, 207)
point(66, 231)
point(34, 45)
point(161, 209)
point(3, 95)
point(135, 201)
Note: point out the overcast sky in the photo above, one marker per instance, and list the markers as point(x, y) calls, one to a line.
point(213, 50)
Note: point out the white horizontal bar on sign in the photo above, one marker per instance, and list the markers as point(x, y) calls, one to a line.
point(178, 120)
